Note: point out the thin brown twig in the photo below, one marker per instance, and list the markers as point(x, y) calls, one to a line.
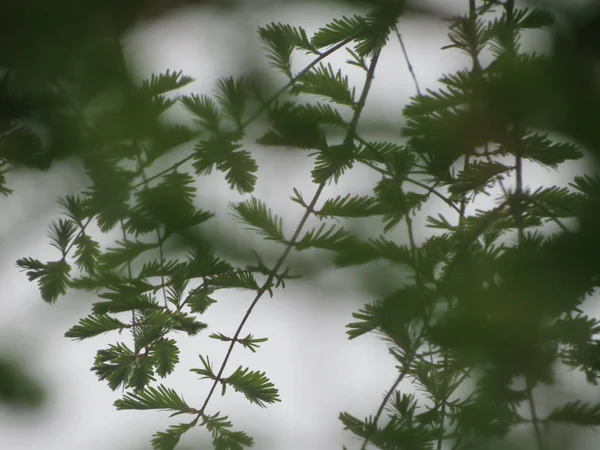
point(384, 402)
point(266, 285)
point(309, 210)
point(534, 417)
point(407, 59)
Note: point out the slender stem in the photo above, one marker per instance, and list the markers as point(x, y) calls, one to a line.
point(158, 235)
point(411, 240)
point(409, 357)
point(309, 210)
point(386, 398)
point(406, 58)
point(260, 293)
point(509, 6)
point(81, 233)
point(351, 133)
point(162, 261)
point(476, 69)
point(519, 189)
point(163, 172)
point(534, 418)
point(434, 192)
point(463, 200)
point(443, 404)
point(461, 217)
point(472, 9)
point(498, 177)
point(130, 277)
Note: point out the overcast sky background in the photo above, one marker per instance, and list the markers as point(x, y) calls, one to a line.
point(318, 371)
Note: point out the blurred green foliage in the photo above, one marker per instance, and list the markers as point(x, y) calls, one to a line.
point(19, 389)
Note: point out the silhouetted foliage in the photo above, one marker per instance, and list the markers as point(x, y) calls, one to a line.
point(491, 305)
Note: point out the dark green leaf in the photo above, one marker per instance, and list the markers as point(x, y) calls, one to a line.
point(576, 413)
point(365, 324)
point(166, 138)
point(165, 82)
point(109, 195)
point(168, 440)
point(204, 108)
point(4, 191)
point(350, 206)
point(234, 280)
point(255, 213)
point(332, 162)
point(554, 202)
point(332, 238)
point(94, 325)
point(187, 323)
point(127, 300)
point(240, 170)
point(324, 114)
point(251, 343)
point(255, 386)
point(199, 302)
point(207, 370)
point(125, 253)
point(142, 374)
point(74, 207)
point(293, 126)
point(114, 364)
point(324, 82)
point(166, 355)
point(476, 178)
point(61, 233)
point(535, 18)
point(339, 30)
point(280, 43)
point(223, 437)
point(239, 165)
point(87, 253)
point(53, 276)
point(380, 22)
point(540, 149)
point(356, 426)
point(171, 203)
point(21, 146)
point(231, 95)
point(160, 398)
